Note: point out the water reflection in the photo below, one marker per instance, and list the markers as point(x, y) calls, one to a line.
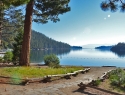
point(119, 53)
point(104, 50)
point(83, 57)
point(76, 49)
point(38, 55)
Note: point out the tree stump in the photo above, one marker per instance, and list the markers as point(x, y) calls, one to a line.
point(82, 85)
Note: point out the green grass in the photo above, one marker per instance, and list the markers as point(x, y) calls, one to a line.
point(33, 72)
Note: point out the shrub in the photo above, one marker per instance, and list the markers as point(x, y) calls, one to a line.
point(97, 82)
point(52, 60)
point(53, 65)
point(8, 57)
point(117, 77)
point(1, 59)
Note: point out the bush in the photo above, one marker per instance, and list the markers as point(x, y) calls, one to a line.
point(117, 77)
point(8, 57)
point(52, 60)
point(96, 83)
point(53, 65)
point(1, 59)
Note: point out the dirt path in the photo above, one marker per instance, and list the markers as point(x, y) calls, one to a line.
point(59, 87)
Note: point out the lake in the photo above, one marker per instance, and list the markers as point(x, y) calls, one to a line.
point(82, 57)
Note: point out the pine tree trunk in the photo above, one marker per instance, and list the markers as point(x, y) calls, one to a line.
point(25, 52)
point(0, 27)
point(1, 20)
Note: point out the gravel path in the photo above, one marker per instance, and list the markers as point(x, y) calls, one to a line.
point(59, 87)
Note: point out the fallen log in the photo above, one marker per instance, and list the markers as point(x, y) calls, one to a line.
point(49, 78)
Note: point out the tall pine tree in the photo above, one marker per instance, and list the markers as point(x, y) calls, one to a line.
point(40, 11)
point(43, 10)
point(17, 46)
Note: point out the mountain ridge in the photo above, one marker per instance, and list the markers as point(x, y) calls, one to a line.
point(41, 41)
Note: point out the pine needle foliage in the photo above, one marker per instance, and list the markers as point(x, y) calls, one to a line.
point(113, 5)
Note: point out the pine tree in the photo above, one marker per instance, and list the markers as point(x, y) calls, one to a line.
point(17, 46)
point(11, 18)
point(43, 11)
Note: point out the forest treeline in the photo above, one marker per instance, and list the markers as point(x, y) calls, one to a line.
point(119, 49)
point(38, 41)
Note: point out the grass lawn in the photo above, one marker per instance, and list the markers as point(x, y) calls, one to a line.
point(34, 72)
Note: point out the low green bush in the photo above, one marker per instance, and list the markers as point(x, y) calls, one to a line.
point(52, 60)
point(117, 77)
point(8, 57)
point(1, 59)
point(97, 82)
point(53, 65)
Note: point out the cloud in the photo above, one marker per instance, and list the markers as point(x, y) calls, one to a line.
point(108, 15)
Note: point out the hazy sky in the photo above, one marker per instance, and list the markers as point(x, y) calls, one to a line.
point(86, 23)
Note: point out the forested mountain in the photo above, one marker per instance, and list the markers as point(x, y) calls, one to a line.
point(104, 47)
point(119, 49)
point(76, 48)
point(40, 41)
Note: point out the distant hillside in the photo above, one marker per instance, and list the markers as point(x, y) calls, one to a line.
point(92, 46)
point(76, 47)
point(119, 49)
point(40, 41)
point(104, 47)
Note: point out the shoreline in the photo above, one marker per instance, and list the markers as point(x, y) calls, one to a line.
point(43, 65)
point(38, 64)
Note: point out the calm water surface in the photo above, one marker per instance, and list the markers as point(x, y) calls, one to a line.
point(83, 57)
